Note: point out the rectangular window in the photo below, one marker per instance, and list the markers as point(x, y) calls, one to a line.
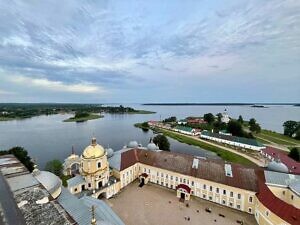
point(167, 176)
point(149, 171)
point(144, 170)
point(210, 198)
point(180, 180)
point(250, 210)
point(183, 180)
point(239, 196)
point(231, 194)
point(171, 186)
point(217, 190)
point(176, 178)
point(162, 175)
point(224, 192)
point(204, 196)
point(157, 174)
point(188, 182)
point(292, 197)
point(192, 183)
point(171, 177)
point(238, 206)
point(230, 204)
point(223, 202)
point(210, 188)
point(204, 186)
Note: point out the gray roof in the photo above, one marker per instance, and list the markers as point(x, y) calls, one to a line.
point(103, 210)
point(49, 180)
point(74, 181)
point(283, 179)
point(21, 182)
point(115, 160)
point(80, 209)
point(278, 167)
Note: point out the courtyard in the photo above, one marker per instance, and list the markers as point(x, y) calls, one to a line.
point(153, 204)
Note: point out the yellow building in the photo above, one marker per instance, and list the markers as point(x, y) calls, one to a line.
point(254, 191)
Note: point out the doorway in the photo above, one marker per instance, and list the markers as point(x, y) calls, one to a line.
point(182, 195)
point(142, 182)
point(100, 184)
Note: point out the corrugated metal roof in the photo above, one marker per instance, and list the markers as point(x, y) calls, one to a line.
point(283, 179)
point(103, 210)
point(22, 181)
point(74, 181)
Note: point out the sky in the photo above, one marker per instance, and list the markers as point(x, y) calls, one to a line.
point(150, 51)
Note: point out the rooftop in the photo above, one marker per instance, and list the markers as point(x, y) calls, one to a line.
point(242, 177)
point(293, 166)
point(247, 141)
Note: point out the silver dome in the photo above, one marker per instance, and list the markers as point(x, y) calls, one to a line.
point(133, 144)
point(110, 152)
point(278, 167)
point(50, 181)
point(151, 146)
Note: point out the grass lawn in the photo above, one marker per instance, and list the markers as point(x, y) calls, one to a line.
point(225, 155)
point(82, 119)
point(277, 138)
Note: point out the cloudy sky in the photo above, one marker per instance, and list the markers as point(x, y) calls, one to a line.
point(150, 51)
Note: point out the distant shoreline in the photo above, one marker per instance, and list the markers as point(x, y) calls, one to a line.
point(221, 104)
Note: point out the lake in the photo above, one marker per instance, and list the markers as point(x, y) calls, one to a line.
point(47, 137)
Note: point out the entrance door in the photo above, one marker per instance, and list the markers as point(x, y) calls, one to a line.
point(182, 196)
point(82, 187)
point(100, 184)
point(142, 182)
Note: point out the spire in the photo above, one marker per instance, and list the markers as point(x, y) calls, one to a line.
point(73, 151)
point(94, 141)
point(93, 221)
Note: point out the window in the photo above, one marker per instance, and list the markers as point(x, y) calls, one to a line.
point(250, 199)
point(292, 197)
point(149, 171)
point(144, 170)
point(231, 194)
point(249, 210)
point(75, 189)
point(230, 204)
point(176, 178)
point(127, 173)
point(99, 164)
point(157, 182)
point(283, 192)
point(183, 180)
point(204, 196)
point(162, 175)
point(161, 183)
point(171, 177)
point(223, 202)
point(192, 183)
point(239, 196)
point(224, 192)
point(238, 206)
point(171, 186)
point(157, 174)
point(217, 190)
point(123, 175)
point(167, 176)
point(204, 186)
point(192, 192)
point(187, 181)
point(267, 213)
point(180, 179)
point(210, 198)
point(89, 184)
point(210, 188)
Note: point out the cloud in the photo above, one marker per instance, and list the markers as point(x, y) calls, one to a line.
point(57, 86)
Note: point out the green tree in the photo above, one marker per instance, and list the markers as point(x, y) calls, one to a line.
point(290, 127)
point(255, 128)
point(240, 119)
point(170, 119)
point(54, 166)
point(209, 118)
point(21, 154)
point(162, 142)
point(219, 117)
point(252, 121)
point(235, 128)
point(295, 154)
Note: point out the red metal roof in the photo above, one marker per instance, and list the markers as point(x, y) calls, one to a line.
point(243, 177)
point(185, 187)
point(293, 166)
point(285, 211)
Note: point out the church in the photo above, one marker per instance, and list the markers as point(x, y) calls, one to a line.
point(272, 197)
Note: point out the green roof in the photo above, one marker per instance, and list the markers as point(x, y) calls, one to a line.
point(247, 141)
point(184, 128)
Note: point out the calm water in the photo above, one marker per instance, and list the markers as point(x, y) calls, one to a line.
point(47, 137)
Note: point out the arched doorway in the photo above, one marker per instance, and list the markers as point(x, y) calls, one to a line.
point(100, 184)
point(102, 195)
point(74, 169)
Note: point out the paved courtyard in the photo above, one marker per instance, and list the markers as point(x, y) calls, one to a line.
point(157, 205)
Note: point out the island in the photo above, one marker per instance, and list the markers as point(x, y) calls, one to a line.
point(17, 111)
point(83, 116)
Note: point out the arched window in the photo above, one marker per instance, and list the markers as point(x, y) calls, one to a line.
point(99, 164)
